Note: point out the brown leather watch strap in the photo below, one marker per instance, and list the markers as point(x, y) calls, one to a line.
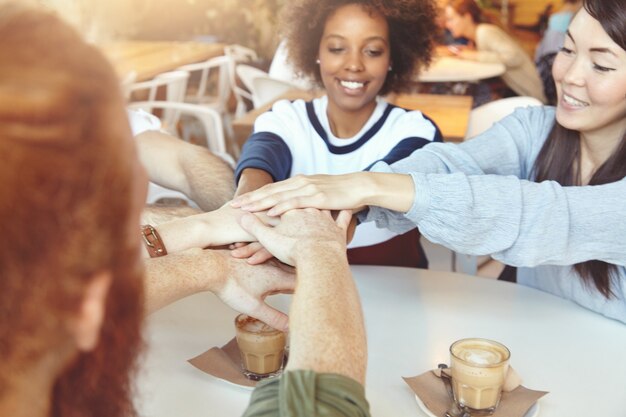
point(153, 241)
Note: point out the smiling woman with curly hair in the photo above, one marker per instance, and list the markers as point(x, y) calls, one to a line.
point(358, 51)
point(412, 29)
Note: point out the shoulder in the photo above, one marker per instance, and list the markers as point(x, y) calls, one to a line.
point(287, 108)
point(538, 118)
point(489, 28)
point(529, 127)
point(486, 32)
point(284, 114)
point(410, 123)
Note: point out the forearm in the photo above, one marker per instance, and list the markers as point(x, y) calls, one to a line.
point(156, 215)
point(391, 191)
point(208, 180)
point(215, 228)
point(520, 222)
point(170, 278)
point(326, 321)
point(193, 170)
point(252, 179)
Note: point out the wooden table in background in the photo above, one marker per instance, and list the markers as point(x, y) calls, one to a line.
point(150, 58)
point(452, 69)
point(451, 113)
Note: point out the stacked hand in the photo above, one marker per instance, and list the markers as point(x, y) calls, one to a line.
point(298, 230)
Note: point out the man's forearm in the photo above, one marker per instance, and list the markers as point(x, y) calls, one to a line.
point(155, 214)
point(209, 179)
point(193, 170)
point(326, 321)
point(170, 278)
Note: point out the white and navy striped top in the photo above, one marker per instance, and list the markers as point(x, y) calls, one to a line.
point(295, 138)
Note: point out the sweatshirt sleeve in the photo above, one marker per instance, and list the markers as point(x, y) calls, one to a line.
point(478, 198)
point(519, 222)
point(267, 147)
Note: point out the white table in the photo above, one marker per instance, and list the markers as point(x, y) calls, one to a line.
point(412, 316)
point(452, 69)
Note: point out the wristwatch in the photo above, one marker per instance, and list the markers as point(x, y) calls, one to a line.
point(153, 241)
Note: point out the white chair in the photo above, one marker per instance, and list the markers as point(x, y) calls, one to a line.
point(265, 89)
point(482, 118)
point(175, 85)
point(282, 69)
point(240, 53)
point(213, 89)
point(208, 119)
point(246, 74)
point(174, 82)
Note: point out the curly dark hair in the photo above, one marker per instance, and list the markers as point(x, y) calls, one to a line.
point(412, 31)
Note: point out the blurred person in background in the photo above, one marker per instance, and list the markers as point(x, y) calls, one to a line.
point(490, 43)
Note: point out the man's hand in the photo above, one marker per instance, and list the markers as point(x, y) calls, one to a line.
point(246, 287)
point(241, 286)
point(298, 229)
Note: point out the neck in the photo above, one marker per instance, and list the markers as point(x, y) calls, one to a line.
point(595, 150)
point(27, 396)
point(346, 123)
point(28, 391)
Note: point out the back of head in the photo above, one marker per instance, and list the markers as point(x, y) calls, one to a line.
point(467, 6)
point(64, 209)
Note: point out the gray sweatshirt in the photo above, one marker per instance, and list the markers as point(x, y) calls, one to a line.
point(478, 198)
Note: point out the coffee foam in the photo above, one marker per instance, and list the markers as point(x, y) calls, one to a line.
point(480, 355)
point(479, 352)
point(252, 325)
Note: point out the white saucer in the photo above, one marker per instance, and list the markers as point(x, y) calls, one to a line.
point(532, 411)
point(244, 387)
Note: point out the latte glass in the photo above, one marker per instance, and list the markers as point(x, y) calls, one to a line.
point(479, 368)
point(262, 347)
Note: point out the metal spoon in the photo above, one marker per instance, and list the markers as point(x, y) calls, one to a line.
point(454, 410)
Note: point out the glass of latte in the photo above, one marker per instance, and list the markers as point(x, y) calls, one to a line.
point(479, 368)
point(262, 347)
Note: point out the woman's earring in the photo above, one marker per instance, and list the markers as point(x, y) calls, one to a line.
point(317, 62)
point(389, 69)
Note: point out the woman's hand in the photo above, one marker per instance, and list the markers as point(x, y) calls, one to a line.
point(331, 192)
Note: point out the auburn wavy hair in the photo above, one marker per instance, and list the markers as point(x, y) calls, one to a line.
point(65, 213)
point(412, 32)
point(559, 158)
point(468, 6)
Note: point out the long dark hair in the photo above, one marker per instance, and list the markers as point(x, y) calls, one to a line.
point(559, 157)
